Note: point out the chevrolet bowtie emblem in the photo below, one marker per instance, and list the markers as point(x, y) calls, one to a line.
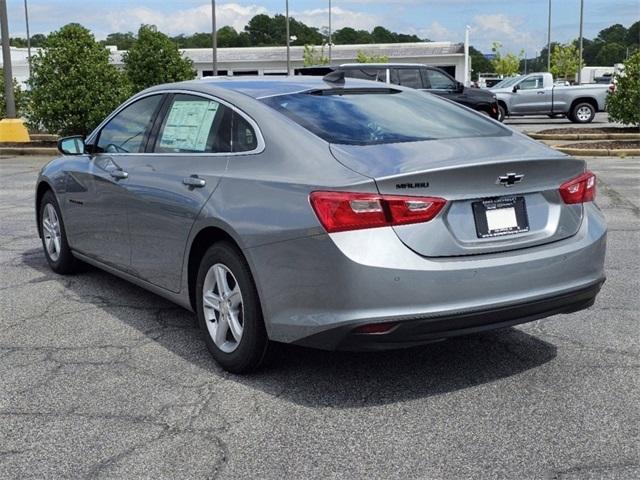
point(510, 179)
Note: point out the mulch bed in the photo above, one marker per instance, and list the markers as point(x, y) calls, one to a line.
point(581, 131)
point(606, 145)
point(32, 144)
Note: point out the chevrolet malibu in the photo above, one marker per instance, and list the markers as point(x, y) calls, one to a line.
point(323, 212)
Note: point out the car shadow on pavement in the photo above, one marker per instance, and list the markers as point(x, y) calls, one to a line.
point(309, 377)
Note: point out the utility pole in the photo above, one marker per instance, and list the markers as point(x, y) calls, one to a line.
point(26, 18)
point(329, 32)
point(288, 38)
point(10, 101)
point(549, 40)
point(214, 38)
point(466, 56)
point(580, 49)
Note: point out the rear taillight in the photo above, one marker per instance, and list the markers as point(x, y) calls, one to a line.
point(341, 211)
point(580, 189)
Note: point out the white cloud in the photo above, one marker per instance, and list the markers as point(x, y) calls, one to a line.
point(340, 18)
point(501, 28)
point(197, 19)
point(439, 33)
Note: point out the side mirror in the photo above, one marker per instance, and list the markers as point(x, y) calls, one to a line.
point(516, 88)
point(73, 145)
point(459, 87)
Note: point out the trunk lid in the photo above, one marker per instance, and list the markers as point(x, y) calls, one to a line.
point(465, 171)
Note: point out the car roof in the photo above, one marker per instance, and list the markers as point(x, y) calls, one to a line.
point(260, 86)
point(383, 65)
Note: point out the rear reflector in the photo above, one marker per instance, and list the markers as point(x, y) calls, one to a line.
point(376, 327)
point(580, 189)
point(342, 211)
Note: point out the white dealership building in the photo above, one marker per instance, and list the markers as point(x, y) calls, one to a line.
point(273, 60)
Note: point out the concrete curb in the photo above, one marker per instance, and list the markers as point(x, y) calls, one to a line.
point(599, 152)
point(585, 136)
point(52, 151)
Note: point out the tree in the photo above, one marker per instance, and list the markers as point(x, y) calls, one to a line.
point(615, 33)
point(362, 57)
point(622, 105)
point(565, 61)
point(382, 35)
point(123, 41)
point(155, 59)
point(479, 63)
point(73, 85)
point(610, 54)
point(261, 30)
point(351, 36)
point(508, 64)
point(19, 95)
point(311, 56)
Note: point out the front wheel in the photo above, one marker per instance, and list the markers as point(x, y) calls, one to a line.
point(54, 237)
point(582, 113)
point(229, 310)
point(502, 113)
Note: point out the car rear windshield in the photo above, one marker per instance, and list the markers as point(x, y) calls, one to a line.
point(374, 116)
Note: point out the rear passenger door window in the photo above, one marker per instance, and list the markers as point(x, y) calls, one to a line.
point(440, 81)
point(410, 77)
point(195, 124)
point(244, 136)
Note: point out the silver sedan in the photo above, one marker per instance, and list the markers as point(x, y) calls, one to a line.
point(332, 214)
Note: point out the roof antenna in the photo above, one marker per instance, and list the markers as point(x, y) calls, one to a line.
point(337, 76)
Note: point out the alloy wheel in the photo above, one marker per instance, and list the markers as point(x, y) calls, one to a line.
point(51, 232)
point(223, 307)
point(583, 114)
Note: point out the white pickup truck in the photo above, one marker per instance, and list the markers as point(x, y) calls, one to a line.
point(535, 94)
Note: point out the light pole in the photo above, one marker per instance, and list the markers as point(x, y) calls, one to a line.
point(288, 38)
point(329, 31)
point(549, 40)
point(580, 48)
point(10, 101)
point(26, 19)
point(214, 38)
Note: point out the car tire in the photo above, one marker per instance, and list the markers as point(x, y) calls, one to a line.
point(230, 315)
point(582, 113)
point(502, 113)
point(54, 237)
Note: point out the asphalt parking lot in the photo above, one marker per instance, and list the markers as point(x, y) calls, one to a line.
point(99, 378)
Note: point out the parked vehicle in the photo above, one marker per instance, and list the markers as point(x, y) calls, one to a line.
point(327, 213)
point(536, 94)
point(420, 77)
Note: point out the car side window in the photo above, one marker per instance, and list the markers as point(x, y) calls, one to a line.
point(410, 77)
point(244, 136)
point(195, 124)
point(393, 76)
point(439, 81)
point(125, 132)
point(531, 83)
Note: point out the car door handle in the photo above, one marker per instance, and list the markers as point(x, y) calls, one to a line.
point(119, 174)
point(194, 181)
point(540, 93)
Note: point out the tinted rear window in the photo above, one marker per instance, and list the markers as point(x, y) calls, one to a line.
point(361, 118)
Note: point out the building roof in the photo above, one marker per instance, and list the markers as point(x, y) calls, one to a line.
point(338, 52)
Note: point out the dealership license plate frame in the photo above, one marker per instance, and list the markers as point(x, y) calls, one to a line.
point(498, 217)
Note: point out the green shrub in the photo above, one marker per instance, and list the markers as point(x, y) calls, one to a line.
point(623, 105)
point(73, 85)
point(154, 59)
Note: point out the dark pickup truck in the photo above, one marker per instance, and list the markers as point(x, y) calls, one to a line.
point(422, 77)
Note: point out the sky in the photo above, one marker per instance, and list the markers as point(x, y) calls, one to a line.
point(517, 24)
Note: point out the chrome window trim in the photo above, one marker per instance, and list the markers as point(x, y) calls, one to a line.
point(260, 139)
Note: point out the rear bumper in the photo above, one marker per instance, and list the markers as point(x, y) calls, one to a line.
point(316, 290)
point(419, 331)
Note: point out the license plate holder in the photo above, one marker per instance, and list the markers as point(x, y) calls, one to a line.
point(496, 217)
